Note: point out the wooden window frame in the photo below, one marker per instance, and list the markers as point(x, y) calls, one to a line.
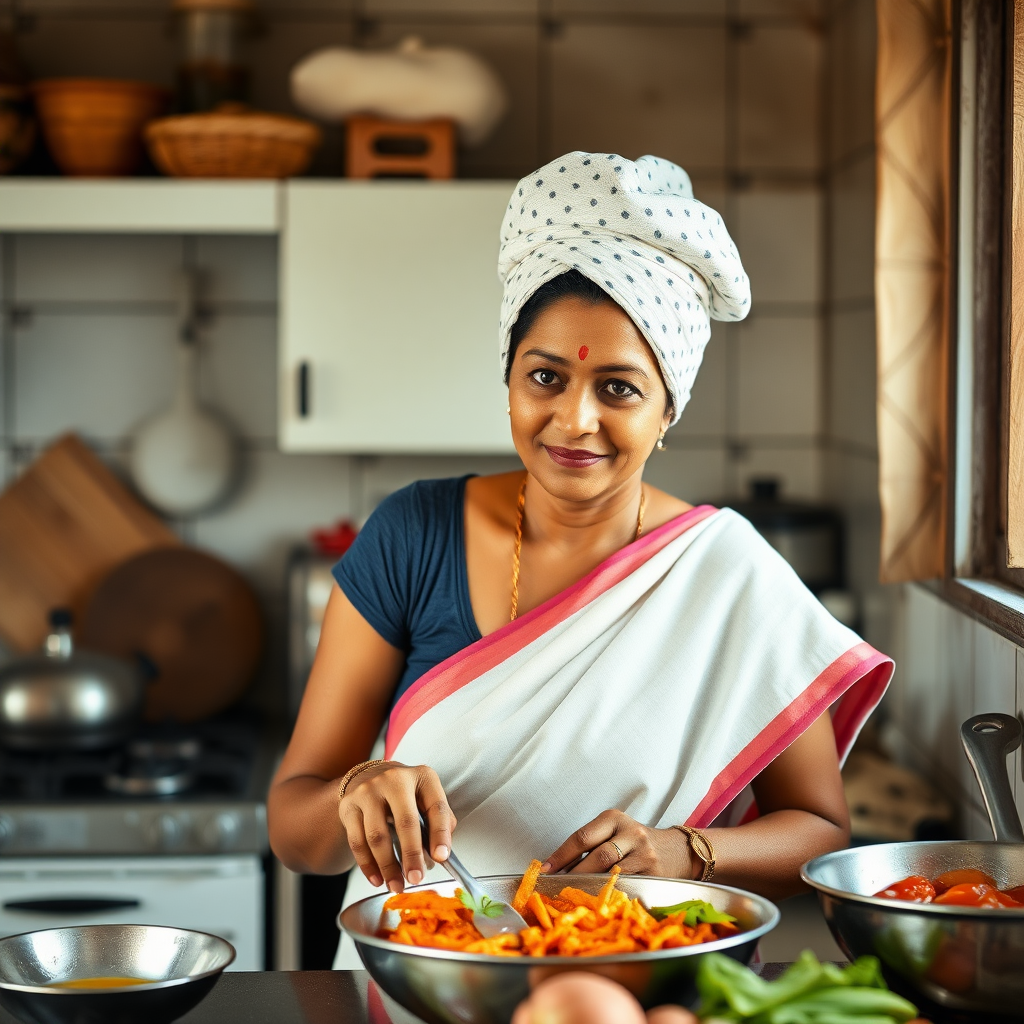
point(978, 578)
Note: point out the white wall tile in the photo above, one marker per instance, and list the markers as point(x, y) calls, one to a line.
point(239, 268)
point(512, 51)
point(923, 720)
point(778, 380)
point(894, 700)
point(850, 401)
point(852, 480)
point(279, 500)
point(798, 470)
point(851, 71)
point(956, 694)
point(694, 474)
point(98, 374)
point(938, 659)
point(778, 233)
point(97, 268)
point(238, 373)
point(852, 255)
point(778, 83)
point(383, 476)
point(636, 89)
point(995, 673)
point(705, 413)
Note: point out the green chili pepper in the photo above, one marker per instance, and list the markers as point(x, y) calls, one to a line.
point(697, 912)
point(808, 992)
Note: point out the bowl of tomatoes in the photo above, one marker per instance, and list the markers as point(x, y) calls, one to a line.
point(946, 919)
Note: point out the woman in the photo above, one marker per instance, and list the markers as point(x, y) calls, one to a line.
point(569, 663)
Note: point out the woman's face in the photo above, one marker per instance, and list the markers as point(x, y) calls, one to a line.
point(586, 397)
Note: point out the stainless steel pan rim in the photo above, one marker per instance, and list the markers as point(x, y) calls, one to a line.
point(904, 906)
point(766, 908)
point(148, 986)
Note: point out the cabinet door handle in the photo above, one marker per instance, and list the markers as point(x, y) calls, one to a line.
point(70, 905)
point(305, 371)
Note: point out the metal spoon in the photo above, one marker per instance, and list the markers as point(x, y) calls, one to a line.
point(988, 740)
point(490, 916)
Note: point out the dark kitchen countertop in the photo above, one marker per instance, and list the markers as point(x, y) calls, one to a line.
point(342, 997)
point(298, 997)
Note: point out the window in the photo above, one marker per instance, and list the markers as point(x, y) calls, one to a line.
point(985, 564)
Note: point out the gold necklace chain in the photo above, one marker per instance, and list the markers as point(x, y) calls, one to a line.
point(517, 550)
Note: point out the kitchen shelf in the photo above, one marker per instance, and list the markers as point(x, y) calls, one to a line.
point(140, 205)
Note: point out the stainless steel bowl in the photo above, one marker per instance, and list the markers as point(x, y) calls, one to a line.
point(959, 957)
point(443, 987)
point(183, 965)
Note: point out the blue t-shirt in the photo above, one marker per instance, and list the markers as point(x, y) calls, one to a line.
point(406, 575)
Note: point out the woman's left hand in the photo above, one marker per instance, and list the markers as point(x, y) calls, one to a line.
point(615, 838)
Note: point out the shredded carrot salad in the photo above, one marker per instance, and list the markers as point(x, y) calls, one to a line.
point(573, 923)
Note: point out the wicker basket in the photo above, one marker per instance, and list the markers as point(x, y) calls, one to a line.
point(232, 144)
point(93, 126)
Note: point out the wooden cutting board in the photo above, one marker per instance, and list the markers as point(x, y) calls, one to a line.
point(190, 618)
point(64, 524)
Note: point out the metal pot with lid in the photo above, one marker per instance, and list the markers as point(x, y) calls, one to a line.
point(66, 699)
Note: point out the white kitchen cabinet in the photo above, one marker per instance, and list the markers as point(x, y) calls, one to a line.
point(139, 205)
point(389, 317)
point(221, 895)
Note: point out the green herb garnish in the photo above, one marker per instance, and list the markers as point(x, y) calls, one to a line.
point(697, 912)
point(486, 906)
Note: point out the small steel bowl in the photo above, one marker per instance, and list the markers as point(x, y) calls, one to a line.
point(183, 965)
point(445, 987)
point(963, 958)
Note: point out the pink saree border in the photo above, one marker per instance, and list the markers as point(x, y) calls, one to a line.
point(857, 679)
point(468, 664)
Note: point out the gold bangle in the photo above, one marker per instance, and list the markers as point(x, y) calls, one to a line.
point(353, 772)
point(701, 846)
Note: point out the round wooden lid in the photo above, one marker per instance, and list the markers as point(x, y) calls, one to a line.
point(191, 617)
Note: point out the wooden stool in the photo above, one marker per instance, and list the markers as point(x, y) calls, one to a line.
point(380, 148)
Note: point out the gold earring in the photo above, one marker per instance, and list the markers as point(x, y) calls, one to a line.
point(508, 409)
point(661, 443)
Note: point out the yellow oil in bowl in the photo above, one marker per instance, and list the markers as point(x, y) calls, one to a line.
point(103, 982)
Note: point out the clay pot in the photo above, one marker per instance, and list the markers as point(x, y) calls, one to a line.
point(93, 126)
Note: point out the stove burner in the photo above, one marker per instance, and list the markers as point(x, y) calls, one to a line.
point(155, 768)
point(204, 760)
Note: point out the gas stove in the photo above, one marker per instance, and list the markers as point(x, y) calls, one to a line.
point(195, 789)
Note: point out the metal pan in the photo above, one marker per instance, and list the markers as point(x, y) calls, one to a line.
point(958, 957)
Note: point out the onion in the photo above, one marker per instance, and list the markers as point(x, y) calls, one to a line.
point(579, 997)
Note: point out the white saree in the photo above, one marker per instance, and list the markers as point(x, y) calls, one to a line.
point(661, 684)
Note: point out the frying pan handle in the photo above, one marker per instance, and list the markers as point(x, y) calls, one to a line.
point(988, 740)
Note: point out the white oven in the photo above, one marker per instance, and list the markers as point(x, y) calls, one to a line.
point(222, 894)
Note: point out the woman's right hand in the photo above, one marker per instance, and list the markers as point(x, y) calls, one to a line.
point(397, 792)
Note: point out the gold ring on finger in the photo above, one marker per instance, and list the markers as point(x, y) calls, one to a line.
point(617, 850)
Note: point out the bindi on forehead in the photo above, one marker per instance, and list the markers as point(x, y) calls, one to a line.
point(583, 352)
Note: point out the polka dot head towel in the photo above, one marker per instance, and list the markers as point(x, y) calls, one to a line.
point(635, 230)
